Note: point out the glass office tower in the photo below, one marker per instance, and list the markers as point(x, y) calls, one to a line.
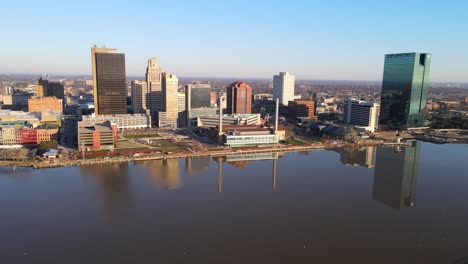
point(404, 89)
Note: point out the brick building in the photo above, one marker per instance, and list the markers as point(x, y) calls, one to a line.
point(49, 103)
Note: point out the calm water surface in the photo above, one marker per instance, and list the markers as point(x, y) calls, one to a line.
point(361, 206)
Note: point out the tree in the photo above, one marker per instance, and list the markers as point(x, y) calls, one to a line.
point(45, 145)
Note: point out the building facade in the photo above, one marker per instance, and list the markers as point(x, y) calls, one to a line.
point(303, 109)
point(124, 121)
point(168, 115)
point(95, 136)
point(362, 114)
point(154, 85)
point(139, 96)
point(45, 88)
point(283, 87)
point(49, 103)
point(239, 98)
point(109, 83)
point(404, 89)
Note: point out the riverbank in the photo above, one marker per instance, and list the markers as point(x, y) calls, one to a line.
point(150, 156)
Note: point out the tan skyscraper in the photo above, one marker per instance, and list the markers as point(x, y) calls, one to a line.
point(110, 87)
point(140, 96)
point(167, 117)
point(153, 79)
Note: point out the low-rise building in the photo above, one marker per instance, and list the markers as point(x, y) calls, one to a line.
point(49, 103)
point(209, 121)
point(246, 135)
point(47, 132)
point(123, 121)
point(302, 109)
point(95, 136)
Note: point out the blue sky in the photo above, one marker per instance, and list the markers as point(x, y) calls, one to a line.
point(342, 40)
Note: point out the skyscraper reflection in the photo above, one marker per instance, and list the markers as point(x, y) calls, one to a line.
point(395, 176)
point(197, 165)
point(363, 156)
point(165, 173)
point(112, 182)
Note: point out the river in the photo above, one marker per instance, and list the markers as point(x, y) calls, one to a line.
point(373, 205)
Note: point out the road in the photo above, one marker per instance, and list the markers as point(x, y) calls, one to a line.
point(68, 132)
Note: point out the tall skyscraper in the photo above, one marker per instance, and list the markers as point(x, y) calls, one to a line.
point(239, 98)
point(167, 116)
point(154, 89)
point(110, 86)
point(362, 114)
point(395, 176)
point(283, 87)
point(404, 89)
point(45, 88)
point(139, 96)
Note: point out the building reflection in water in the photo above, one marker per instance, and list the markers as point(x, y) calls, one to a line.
point(196, 165)
point(395, 176)
point(112, 181)
point(165, 173)
point(241, 160)
point(363, 156)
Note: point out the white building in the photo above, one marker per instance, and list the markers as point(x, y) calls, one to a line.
point(283, 87)
point(123, 121)
point(236, 119)
point(362, 114)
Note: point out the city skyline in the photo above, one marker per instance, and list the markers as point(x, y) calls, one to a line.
point(321, 41)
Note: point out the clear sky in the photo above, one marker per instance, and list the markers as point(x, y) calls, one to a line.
point(330, 39)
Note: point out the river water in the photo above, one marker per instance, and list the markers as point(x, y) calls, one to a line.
point(370, 205)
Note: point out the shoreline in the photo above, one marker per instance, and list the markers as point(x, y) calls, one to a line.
point(122, 159)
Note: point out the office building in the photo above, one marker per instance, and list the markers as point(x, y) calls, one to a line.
point(302, 109)
point(245, 135)
point(96, 136)
point(198, 100)
point(404, 89)
point(395, 176)
point(182, 115)
point(239, 98)
point(46, 88)
point(125, 121)
point(109, 83)
point(362, 114)
point(139, 96)
point(154, 98)
point(208, 121)
point(283, 87)
point(169, 113)
point(49, 103)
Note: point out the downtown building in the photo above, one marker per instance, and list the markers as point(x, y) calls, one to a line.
point(109, 82)
point(306, 109)
point(361, 114)
point(168, 114)
point(404, 90)
point(46, 88)
point(198, 101)
point(124, 121)
point(283, 87)
point(239, 98)
point(49, 103)
point(139, 91)
point(96, 136)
